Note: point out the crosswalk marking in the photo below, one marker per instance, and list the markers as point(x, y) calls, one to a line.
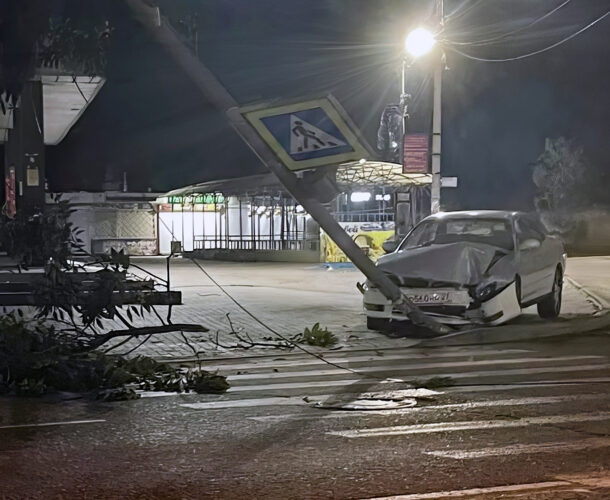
point(52, 424)
point(456, 406)
point(410, 367)
point(241, 403)
point(518, 449)
point(301, 401)
point(281, 362)
point(470, 425)
point(455, 376)
point(529, 385)
point(565, 486)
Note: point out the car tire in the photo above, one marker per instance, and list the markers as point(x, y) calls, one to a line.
point(379, 324)
point(549, 307)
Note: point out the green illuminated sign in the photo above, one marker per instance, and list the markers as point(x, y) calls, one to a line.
point(207, 199)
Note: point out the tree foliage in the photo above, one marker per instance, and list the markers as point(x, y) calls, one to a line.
point(32, 239)
point(561, 175)
point(566, 184)
point(33, 34)
point(34, 360)
point(58, 349)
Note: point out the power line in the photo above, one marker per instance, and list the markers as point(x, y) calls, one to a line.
point(529, 54)
point(289, 341)
point(456, 14)
point(511, 33)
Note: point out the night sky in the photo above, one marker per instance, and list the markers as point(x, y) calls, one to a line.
point(150, 121)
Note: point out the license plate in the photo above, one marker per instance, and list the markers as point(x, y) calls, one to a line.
point(437, 297)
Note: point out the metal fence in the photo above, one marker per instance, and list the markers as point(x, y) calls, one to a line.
point(212, 243)
point(364, 216)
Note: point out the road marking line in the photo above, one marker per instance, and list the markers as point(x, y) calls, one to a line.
point(472, 404)
point(519, 449)
point(49, 424)
point(267, 363)
point(292, 400)
point(240, 403)
point(480, 491)
point(298, 400)
point(527, 385)
point(455, 376)
point(419, 366)
point(399, 430)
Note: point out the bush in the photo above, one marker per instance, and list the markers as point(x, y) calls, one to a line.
point(34, 360)
point(319, 336)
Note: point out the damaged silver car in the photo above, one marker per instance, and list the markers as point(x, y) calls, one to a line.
point(472, 267)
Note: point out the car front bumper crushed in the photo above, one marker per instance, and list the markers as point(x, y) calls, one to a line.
point(448, 306)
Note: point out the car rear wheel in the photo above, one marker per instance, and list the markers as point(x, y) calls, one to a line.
point(550, 306)
point(380, 324)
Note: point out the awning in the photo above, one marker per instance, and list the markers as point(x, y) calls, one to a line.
point(378, 173)
point(64, 99)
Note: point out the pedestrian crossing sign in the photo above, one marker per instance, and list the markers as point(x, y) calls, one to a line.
point(308, 134)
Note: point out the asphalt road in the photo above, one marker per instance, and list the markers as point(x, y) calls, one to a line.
point(523, 419)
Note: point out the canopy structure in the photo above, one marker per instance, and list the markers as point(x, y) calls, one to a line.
point(64, 100)
point(378, 173)
point(349, 176)
point(251, 185)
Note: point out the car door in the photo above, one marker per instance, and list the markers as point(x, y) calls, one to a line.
point(550, 255)
point(533, 265)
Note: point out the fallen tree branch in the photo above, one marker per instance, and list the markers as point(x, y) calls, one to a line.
point(146, 330)
point(248, 343)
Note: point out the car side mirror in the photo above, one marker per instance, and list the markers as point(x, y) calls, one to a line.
point(390, 245)
point(529, 244)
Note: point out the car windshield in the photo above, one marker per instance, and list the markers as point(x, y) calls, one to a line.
point(496, 232)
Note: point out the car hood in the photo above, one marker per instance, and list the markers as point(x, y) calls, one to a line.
point(458, 263)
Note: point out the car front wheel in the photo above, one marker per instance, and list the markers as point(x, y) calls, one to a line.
point(550, 306)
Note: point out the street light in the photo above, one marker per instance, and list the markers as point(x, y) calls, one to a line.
point(419, 42)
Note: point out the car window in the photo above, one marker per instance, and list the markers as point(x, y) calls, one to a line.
point(422, 235)
point(528, 229)
point(538, 226)
point(496, 232)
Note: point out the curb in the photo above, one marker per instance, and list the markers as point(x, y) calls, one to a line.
point(595, 299)
point(514, 333)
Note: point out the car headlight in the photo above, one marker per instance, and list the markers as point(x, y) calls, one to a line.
point(486, 291)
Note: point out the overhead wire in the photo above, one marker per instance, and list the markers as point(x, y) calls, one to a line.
point(456, 14)
point(286, 339)
point(530, 54)
point(511, 33)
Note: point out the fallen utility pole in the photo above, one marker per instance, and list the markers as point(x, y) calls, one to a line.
point(302, 191)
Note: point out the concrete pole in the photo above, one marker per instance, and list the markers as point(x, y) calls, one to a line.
point(435, 190)
point(404, 107)
point(24, 151)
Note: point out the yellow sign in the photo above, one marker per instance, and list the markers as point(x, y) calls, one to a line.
point(369, 241)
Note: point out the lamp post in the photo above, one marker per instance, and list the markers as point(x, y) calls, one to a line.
point(418, 43)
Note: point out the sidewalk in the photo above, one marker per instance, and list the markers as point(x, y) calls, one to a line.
point(289, 297)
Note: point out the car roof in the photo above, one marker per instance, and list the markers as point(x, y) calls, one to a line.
point(476, 214)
